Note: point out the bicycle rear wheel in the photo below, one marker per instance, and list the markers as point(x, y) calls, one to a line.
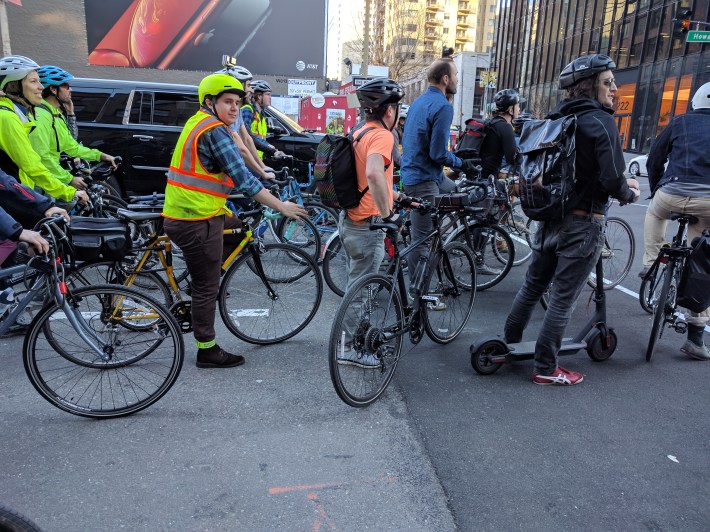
point(617, 253)
point(143, 359)
point(364, 345)
point(664, 306)
point(334, 270)
point(493, 250)
point(651, 285)
point(452, 281)
point(517, 228)
point(261, 314)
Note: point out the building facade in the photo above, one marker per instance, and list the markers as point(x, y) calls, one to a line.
point(657, 69)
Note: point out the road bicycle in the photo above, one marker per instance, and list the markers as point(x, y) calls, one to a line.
point(97, 351)
point(659, 288)
point(268, 292)
point(376, 313)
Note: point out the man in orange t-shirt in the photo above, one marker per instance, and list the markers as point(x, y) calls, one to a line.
point(364, 249)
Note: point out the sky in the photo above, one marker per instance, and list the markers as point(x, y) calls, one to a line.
point(342, 20)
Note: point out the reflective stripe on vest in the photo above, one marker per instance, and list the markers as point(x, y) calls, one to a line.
point(187, 175)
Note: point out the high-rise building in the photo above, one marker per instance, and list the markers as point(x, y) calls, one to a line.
point(657, 69)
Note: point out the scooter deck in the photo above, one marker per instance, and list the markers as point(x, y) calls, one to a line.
point(528, 348)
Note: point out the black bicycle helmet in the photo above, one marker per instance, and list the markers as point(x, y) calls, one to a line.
point(507, 98)
point(585, 67)
point(260, 85)
point(379, 92)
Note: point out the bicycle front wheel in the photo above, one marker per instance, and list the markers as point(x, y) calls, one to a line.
point(664, 306)
point(651, 285)
point(301, 233)
point(451, 281)
point(334, 269)
point(141, 362)
point(366, 340)
point(517, 228)
point(493, 250)
point(270, 294)
point(617, 253)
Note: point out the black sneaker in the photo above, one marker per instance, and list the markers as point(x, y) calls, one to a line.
point(216, 357)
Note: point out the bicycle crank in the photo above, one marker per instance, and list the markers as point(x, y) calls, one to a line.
point(182, 312)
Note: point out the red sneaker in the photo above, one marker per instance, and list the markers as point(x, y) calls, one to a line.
point(560, 377)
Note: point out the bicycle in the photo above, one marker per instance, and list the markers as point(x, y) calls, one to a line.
point(99, 351)
point(376, 313)
point(268, 292)
point(666, 272)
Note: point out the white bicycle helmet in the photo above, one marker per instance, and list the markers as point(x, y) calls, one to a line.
point(237, 72)
point(15, 68)
point(403, 111)
point(701, 99)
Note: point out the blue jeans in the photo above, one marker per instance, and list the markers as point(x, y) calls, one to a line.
point(364, 249)
point(564, 252)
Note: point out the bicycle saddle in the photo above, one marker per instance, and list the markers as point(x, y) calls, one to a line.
point(692, 220)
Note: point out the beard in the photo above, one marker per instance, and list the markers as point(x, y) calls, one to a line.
point(450, 89)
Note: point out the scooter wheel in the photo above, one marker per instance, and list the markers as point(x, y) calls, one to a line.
point(595, 349)
point(481, 357)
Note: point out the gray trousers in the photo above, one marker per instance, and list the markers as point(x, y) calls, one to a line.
point(364, 249)
point(563, 252)
point(421, 223)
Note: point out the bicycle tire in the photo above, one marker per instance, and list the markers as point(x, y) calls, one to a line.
point(650, 289)
point(369, 308)
point(519, 232)
point(495, 255)
point(117, 272)
point(255, 316)
point(617, 253)
point(12, 521)
point(333, 266)
point(659, 313)
point(455, 292)
point(325, 219)
point(301, 233)
point(76, 380)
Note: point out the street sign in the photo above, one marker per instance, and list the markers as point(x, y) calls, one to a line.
point(699, 36)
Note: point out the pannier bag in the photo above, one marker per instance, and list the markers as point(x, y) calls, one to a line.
point(694, 288)
point(547, 170)
point(99, 238)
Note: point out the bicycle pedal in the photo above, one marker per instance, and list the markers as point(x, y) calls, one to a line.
point(681, 327)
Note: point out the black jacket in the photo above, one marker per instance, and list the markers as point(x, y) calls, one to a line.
point(599, 156)
point(499, 142)
point(20, 206)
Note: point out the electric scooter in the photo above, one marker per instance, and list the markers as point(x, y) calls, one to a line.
point(489, 353)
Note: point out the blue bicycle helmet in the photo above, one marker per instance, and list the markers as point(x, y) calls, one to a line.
point(50, 75)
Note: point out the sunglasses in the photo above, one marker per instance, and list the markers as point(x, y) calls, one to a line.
point(609, 82)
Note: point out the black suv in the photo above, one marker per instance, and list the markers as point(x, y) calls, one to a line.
point(142, 121)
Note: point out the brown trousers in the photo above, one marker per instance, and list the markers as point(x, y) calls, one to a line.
point(203, 245)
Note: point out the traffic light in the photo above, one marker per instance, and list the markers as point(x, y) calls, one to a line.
point(682, 21)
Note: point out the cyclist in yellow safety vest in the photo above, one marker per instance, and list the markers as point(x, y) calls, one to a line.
point(52, 137)
point(22, 92)
point(206, 165)
point(255, 121)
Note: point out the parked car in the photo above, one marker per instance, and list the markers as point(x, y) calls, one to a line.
point(637, 166)
point(141, 122)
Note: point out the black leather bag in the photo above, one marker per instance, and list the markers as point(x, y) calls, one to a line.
point(96, 239)
point(694, 289)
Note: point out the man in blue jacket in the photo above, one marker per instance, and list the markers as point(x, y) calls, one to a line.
point(425, 147)
point(684, 186)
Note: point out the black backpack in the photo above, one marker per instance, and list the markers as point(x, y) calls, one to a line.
point(334, 171)
point(469, 143)
point(547, 168)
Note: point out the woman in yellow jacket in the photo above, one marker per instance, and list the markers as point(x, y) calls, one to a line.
point(22, 92)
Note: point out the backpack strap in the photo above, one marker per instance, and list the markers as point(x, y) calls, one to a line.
point(56, 135)
point(355, 141)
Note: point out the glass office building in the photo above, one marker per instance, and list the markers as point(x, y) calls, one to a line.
point(657, 70)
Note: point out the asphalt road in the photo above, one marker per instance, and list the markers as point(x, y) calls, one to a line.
point(269, 446)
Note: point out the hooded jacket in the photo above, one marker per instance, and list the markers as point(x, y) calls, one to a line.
point(600, 164)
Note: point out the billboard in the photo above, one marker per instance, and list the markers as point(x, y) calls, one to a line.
point(271, 37)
